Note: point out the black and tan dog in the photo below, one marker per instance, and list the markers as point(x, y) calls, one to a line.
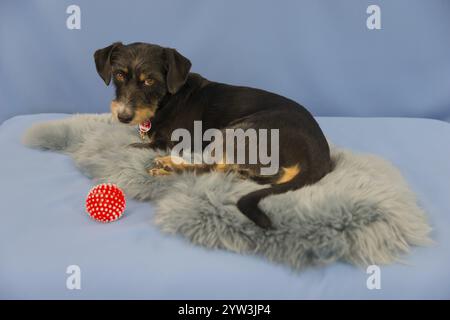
point(154, 83)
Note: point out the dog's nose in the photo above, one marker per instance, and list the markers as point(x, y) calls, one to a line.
point(125, 118)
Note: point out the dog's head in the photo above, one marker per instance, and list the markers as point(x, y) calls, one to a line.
point(143, 75)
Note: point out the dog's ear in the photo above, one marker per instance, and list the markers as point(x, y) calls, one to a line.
point(177, 70)
point(102, 61)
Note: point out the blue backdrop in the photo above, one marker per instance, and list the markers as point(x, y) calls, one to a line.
point(317, 52)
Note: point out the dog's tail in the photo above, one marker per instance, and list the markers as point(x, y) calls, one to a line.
point(248, 204)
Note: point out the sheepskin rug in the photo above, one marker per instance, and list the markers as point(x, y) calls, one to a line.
point(362, 212)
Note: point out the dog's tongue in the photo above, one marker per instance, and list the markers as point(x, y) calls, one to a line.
point(145, 126)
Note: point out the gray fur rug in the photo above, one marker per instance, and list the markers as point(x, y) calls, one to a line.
point(362, 213)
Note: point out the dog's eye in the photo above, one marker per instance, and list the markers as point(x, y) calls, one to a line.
point(120, 76)
point(148, 82)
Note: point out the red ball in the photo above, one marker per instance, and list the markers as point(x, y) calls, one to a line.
point(105, 202)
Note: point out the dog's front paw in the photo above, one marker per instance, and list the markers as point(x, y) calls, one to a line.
point(164, 163)
point(158, 172)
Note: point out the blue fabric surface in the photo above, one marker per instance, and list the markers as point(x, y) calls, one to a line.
point(44, 229)
point(318, 52)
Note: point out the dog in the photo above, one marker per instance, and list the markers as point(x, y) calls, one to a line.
point(155, 83)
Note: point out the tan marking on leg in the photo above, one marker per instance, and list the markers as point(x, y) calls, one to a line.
point(178, 164)
point(225, 167)
point(170, 162)
point(158, 172)
point(221, 167)
point(289, 173)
